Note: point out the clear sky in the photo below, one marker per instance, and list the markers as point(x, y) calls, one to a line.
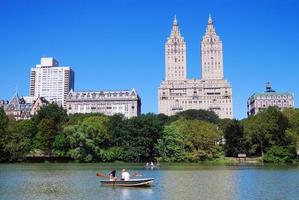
point(120, 44)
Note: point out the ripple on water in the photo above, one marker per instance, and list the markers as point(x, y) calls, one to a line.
point(78, 181)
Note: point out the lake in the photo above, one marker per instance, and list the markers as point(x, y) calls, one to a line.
point(175, 181)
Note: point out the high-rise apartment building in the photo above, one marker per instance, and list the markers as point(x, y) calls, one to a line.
point(51, 81)
point(177, 93)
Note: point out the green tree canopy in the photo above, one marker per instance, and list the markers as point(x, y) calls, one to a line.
point(200, 138)
point(171, 145)
point(3, 124)
point(45, 137)
point(293, 118)
point(53, 112)
point(98, 128)
point(18, 138)
point(266, 129)
point(142, 133)
point(234, 138)
point(192, 114)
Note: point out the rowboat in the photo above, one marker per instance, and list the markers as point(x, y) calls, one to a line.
point(145, 182)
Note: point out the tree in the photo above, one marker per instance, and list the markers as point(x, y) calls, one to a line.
point(47, 132)
point(200, 138)
point(293, 118)
point(3, 124)
point(141, 136)
point(53, 112)
point(171, 145)
point(81, 147)
point(277, 154)
point(3, 120)
point(18, 139)
point(192, 114)
point(98, 128)
point(60, 146)
point(266, 129)
point(49, 120)
point(234, 138)
point(117, 129)
point(89, 139)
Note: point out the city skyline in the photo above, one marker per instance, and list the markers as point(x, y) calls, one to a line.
point(117, 50)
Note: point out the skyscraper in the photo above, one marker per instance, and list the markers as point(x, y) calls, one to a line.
point(51, 81)
point(177, 93)
point(175, 54)
point(211, 54)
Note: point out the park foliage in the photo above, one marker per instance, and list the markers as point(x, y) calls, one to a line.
point(189, 136)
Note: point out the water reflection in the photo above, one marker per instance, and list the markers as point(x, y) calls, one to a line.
point(268, 183)
point(127, 193)
point(205, 184)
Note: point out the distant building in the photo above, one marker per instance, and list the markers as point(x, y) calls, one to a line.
point(261, 101)
point(21, 109)
point(126, 102)
point(212, 92)
point(2, 103)
point(18, 108)
point(37, 104)
point(51, 81)
point(29, 99)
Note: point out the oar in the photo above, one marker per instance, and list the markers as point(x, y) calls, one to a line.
point(102, 175)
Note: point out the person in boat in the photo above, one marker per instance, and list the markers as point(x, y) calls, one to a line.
point(125, 175)
point(112, 176)
point(158, 163)
point(152, 164)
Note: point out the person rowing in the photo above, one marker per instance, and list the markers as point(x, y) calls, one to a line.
point(125, 175)
point(112, 176)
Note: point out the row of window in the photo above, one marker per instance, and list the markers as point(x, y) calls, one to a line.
point(275, 97)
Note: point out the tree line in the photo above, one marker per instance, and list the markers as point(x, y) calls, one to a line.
point(189, 136)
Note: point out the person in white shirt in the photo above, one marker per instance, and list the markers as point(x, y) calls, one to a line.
point(125, 175)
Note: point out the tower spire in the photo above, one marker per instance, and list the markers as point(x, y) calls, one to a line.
point(210, 27)
point(175, 22)
point(16, 89)
point(210, 21)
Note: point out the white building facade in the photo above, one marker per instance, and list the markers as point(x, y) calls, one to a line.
point(51, 81)
point(177, 93)
point(126, 102)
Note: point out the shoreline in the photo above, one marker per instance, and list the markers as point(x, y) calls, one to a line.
point(226, 161)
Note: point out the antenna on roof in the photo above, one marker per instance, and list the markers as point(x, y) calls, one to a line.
point(269, 88)
point(16, 89)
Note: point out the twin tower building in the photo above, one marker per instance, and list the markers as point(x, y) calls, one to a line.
point(212, 92)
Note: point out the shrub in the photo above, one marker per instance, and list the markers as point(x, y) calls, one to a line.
point(277, 154)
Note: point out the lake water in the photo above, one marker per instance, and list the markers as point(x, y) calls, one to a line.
point(176, 181)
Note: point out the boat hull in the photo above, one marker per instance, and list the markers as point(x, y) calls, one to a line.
point(130, 183)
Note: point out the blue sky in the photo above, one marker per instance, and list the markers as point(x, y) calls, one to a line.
point(120, 44)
